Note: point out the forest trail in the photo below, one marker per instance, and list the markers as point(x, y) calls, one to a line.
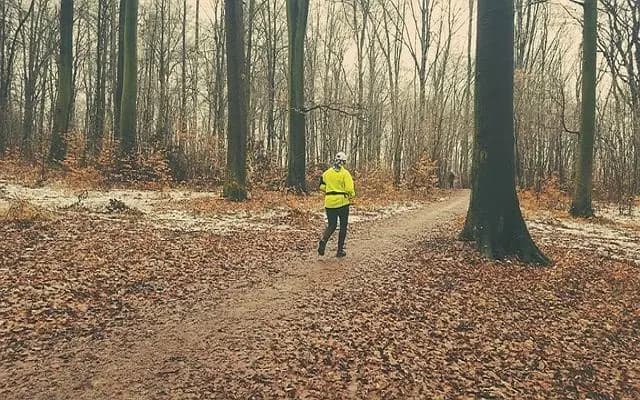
point(231, 332)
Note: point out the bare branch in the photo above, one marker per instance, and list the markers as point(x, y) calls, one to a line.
point(335, 108)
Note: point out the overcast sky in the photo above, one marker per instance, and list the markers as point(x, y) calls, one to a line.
point(461, 11)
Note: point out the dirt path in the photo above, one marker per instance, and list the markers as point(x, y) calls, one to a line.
point(221, 336)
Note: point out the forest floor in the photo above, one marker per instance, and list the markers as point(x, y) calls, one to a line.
point(175, 294)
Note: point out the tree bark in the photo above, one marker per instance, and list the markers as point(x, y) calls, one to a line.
point(128, 112)
point(271, 54)
point(94, 145)
point(183, 83)
point(5, 79)
point(119, 71)
point(464, 159)
point(581, 205)
point(235, 185)
point(58, 150)
point(196, 64)
point(32, 54)
point(162, 126)
point(494, 220)
point(297, 12)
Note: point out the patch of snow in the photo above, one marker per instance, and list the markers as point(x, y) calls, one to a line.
point(55, 198)
point(159, 208)
point(612, 213)
point(615, 242)
point(222, 223)
point(225, 224)
point(359, 216)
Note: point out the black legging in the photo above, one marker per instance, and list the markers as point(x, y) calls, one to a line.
point(332, 215)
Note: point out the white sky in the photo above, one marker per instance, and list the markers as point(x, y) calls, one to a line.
point(461, 10)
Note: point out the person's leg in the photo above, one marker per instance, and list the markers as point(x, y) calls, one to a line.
point(344, 222)
point(332, 218)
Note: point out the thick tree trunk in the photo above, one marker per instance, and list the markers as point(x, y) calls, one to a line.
point(297, 12)
point(119, 71)
point(494, 220)
point(581, 205)
point(58, 149)
point(235, 185)
point(128, 111)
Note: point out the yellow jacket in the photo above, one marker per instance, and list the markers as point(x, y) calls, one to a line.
point(338, 187)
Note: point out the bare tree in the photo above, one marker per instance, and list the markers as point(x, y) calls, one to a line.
point(128, 109)
point(297, 13)
point(58, 149)
point(235, 185)
point(494, 220)
point(581, 206)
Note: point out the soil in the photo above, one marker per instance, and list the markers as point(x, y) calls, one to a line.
point(222, 334)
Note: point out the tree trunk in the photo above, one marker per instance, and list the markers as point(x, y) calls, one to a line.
point(271, 50)
point(196, 64)
point(425, 44)
point(235, 185)
point(464, 159)
point(119, 71)
point(31, 53)
point(128, 112)
point(581, 205)
point(183, 83)
point(28, 115)
point(99, 104)
point(219, 98)
point(6, 75)
point(249, 72)
point(58, 149)
point(3, 64)
point(297, 12)
point(494, 220)
point(162, 126)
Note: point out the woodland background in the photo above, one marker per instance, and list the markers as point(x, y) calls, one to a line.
point(211, 298)
point(390, 82)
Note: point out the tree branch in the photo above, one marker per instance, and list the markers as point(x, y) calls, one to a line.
point(329, 107)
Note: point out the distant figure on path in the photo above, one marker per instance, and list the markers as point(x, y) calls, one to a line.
point(338, 188)
point(451, 178)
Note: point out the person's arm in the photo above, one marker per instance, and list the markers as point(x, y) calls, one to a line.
point(349, 187)
point(323, 185)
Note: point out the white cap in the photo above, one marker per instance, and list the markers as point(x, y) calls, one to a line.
point(341, 156)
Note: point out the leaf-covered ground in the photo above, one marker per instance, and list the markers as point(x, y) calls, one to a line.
point(99, 308)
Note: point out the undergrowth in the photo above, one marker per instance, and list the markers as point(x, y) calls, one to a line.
point(157, 170)
point(22, 211)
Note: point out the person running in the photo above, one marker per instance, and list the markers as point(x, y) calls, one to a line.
point(337, 185)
